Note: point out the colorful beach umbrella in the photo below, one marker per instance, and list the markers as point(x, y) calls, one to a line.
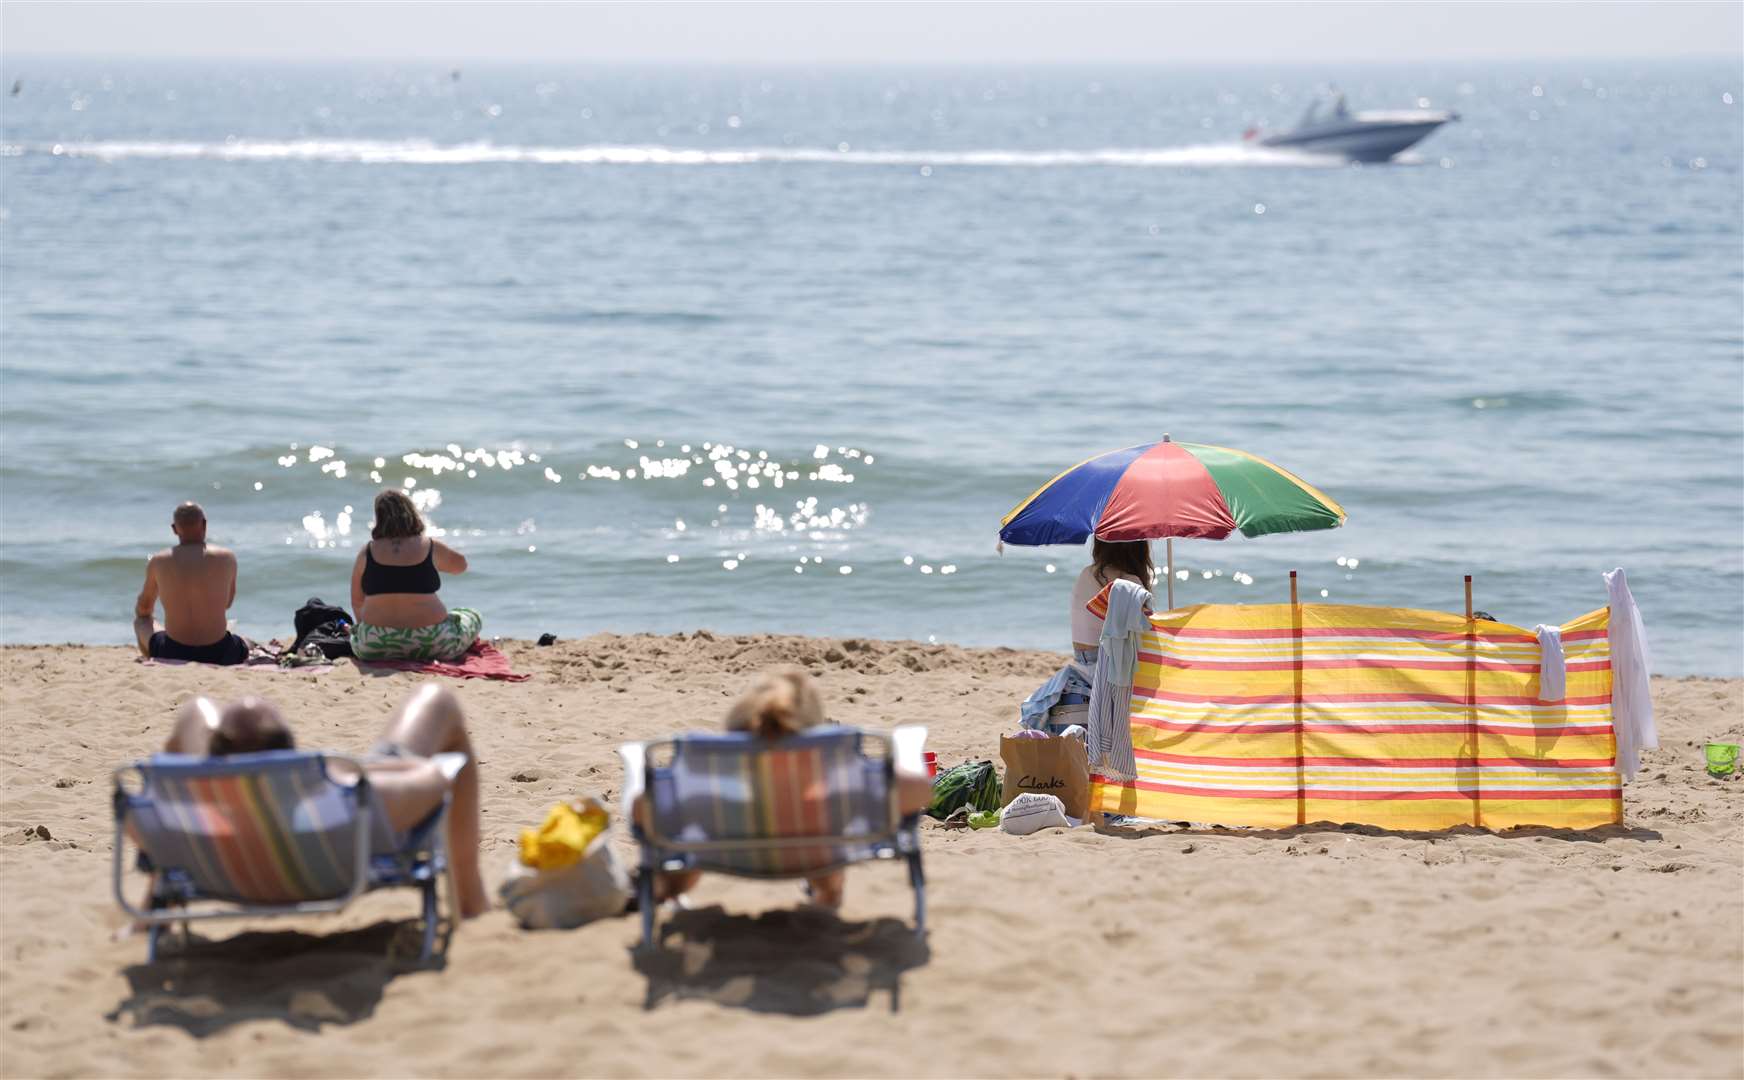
point(1166, 489)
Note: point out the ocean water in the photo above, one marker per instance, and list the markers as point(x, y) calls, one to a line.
point(774, 350)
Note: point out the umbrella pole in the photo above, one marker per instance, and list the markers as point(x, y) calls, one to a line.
point(1169, 556)
point(1169, 564)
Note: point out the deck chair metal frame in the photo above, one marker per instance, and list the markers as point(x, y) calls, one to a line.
point(899, 837)
point(419, 862)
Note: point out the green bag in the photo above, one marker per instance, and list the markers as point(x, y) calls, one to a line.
point(974, 784)
point(1722, 758)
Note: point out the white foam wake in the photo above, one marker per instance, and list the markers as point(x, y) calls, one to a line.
point(421, 152)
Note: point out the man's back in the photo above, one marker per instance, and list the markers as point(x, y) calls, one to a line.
point(195, 583)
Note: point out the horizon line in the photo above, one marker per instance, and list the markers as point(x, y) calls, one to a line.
point(10, 57)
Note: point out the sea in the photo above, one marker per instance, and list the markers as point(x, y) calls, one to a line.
point(775, 349)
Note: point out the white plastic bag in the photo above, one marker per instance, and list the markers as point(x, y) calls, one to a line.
point(1032, 811)
point(591, 888)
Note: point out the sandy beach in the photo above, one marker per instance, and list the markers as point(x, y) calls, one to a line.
point(1317, 951)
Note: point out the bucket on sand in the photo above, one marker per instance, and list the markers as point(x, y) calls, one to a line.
point(932, 763)
point(1722, 758)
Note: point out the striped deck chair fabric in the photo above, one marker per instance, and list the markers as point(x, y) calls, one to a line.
point(730, 789)
point(267, 834)
point(799, 806)
point(268, 828)
point(1268, 716)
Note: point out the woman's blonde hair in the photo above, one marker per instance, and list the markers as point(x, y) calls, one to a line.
point(395, 517)
point(782, 701)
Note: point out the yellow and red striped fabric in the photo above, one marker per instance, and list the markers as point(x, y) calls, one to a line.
point(1270, 716)
point(249, 830)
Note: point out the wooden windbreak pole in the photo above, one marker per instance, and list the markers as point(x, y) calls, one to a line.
point(1296, 665)
point(1471, 700)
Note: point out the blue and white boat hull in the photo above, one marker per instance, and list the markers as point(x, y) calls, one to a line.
point(1366, 136)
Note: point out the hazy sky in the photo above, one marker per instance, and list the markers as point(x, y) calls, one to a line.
point(889, 32)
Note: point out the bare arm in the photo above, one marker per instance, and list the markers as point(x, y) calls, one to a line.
point(448, 560)
point(232, 599)
point(143, 625)
point(357, 585)
point(143, 607)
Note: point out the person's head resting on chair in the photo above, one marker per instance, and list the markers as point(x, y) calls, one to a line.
point(782, 701)
point(249, 726)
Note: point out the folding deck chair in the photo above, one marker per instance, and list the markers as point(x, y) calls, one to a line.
point(265, 834)
point(799, 806)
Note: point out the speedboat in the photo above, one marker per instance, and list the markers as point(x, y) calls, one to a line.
point(1360, 136)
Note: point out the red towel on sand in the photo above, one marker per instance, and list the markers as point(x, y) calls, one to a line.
point(482, 661)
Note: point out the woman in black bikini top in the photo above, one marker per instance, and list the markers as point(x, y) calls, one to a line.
point(419, 578)
point(395, 583)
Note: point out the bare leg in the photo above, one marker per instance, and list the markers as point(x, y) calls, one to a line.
point(672, 885)
point(143, 628)
point(826, 891)
point(668, 885)
point(432, 722)
point(913, 793)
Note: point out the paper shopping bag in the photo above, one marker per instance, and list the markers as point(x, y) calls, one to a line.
point(1056, 765)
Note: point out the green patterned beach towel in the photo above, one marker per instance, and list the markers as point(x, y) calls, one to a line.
point(447, 640)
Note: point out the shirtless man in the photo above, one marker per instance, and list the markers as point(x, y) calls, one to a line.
point(197, 583)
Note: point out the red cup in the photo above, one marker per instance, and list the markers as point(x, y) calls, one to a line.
point(932, 763)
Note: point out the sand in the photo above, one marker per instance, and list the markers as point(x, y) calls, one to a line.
point(1317, 951)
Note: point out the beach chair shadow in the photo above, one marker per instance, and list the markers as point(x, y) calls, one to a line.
point(302, 980)
point(797, 963)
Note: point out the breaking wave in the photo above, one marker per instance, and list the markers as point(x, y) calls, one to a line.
point(423, 152)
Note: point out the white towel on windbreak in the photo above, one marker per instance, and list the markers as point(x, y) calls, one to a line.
point(1631, 698)
point(1110, 740)
point(1552, 667)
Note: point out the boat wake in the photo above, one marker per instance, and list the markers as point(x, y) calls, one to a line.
point(422, 152)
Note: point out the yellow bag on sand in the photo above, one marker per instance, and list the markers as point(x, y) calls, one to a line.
point(565, 835)
point(566, 873)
